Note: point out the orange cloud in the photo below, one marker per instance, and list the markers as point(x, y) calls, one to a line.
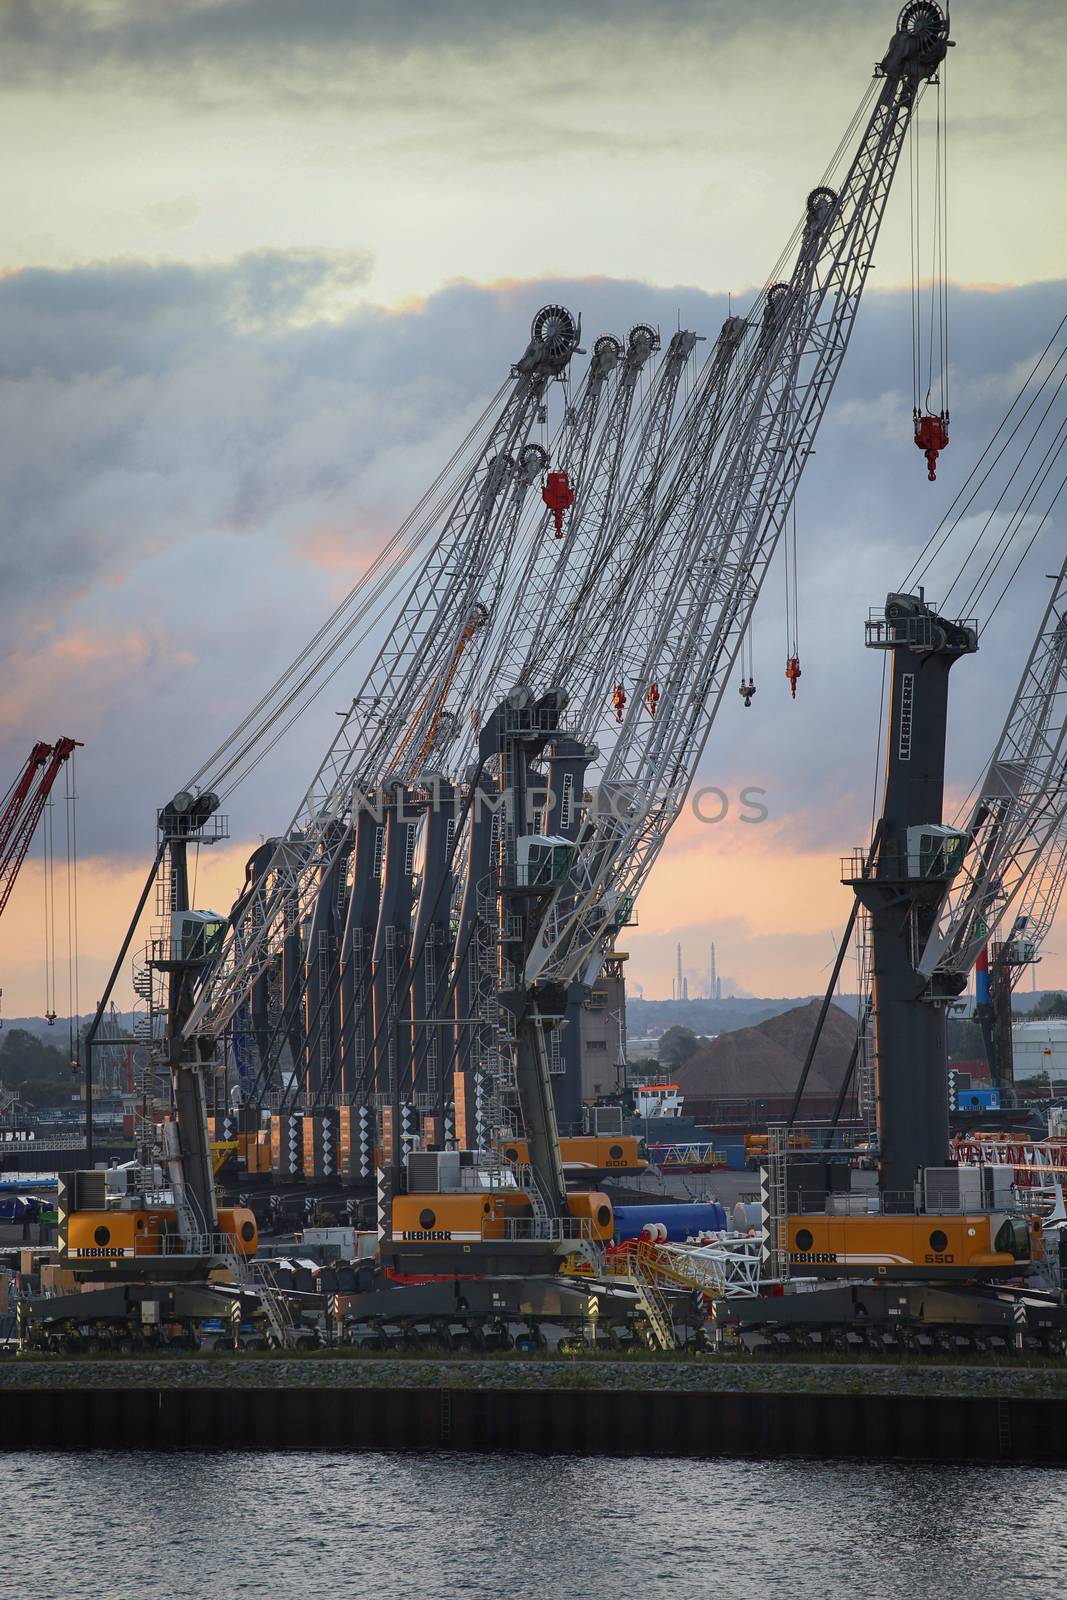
point(108, 891)
point(75, 671)
point(84, 646)
point(340, 550)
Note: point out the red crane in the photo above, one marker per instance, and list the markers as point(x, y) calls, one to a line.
point(23, 807)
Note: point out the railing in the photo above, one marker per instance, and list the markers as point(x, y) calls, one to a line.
point(176, 1244)
point(208, 831)
point(541, 1229)
point(938, 863)
point(642, 1267)
point(922, 632)
point(891, 1203)
point(17, 1138)
point(259, 1275)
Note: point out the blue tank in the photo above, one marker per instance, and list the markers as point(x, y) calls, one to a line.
point(680, 1221)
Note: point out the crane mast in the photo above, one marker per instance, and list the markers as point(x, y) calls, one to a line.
point(712, 584)
point(548, 583)
point(680, 541)
point(412, 668)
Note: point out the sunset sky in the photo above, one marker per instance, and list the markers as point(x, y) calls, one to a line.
point(264, 262)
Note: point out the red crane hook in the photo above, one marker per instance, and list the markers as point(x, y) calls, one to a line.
point(931, 436)
point(558, 497)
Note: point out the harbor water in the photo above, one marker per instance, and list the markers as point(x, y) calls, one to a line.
point(522, 1527)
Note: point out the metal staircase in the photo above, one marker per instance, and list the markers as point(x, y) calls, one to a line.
point(866, 1078)
point(147, 986)
point(659, 1327)
point(259, 1276)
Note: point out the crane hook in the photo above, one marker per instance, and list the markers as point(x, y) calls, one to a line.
point(653, 698)
point(747, 690)
point(931, 436)
point(618, 700)
point(792, 672)
point(558, 497)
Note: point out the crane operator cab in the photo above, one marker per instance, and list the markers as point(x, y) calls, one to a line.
point(196, 936)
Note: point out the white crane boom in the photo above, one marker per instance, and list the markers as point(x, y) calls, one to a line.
point(713, 575)
point(1018, 822)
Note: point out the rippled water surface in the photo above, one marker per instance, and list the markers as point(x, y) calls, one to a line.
point(434, 1527)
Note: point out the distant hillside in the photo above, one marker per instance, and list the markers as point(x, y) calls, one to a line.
point(644, 1017)
point(713, 1016)
point(59, 1029)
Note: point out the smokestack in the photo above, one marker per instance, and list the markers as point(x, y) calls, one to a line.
point(678, 988)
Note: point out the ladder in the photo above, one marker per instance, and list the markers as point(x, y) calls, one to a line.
point(659, 1327)
point(146, 986)
point(281, 1329)
point(776, 1203)
point(866, 1081)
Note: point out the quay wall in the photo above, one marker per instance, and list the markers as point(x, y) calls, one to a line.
point(565, 1420)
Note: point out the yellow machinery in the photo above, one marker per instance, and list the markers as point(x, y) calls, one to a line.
point(587, 1155)
point(143, 1239)
point(249, 1152)
point(474, 1230)
point(475, 1215)
point(126, 1236)
point(981, 1245)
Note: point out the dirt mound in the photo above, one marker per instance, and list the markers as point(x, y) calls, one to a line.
point(768, 1058)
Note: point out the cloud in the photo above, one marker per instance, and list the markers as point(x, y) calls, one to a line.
point(195, 461)
point(70, 35)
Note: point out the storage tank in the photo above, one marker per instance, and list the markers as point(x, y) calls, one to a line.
point(680, 1221)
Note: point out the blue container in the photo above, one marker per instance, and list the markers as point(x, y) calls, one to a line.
point(680, 1221)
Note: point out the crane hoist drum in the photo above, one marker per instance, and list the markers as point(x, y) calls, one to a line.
point(607, 352)
point(556, 331)
point(821, 202)
point(642, 338)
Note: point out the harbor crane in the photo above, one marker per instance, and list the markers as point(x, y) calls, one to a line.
point(24, 806)
point(611, 698)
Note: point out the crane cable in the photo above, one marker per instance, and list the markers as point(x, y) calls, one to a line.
point(385, 569)
point(73, 983)
point(977, 478)
point(936, 363)
point(792, 587)
point(49, 852)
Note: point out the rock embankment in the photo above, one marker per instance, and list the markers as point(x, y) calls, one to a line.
point(712, 1375)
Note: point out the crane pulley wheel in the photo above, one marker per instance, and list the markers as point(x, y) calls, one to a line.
point(556, 331)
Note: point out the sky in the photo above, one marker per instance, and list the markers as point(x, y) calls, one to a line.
point(263, 264)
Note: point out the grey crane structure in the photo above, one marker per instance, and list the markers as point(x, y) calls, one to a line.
point(1018, 817)
point(935, 894)
point(679, 508)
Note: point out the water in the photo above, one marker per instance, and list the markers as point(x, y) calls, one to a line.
point(439, 1526)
